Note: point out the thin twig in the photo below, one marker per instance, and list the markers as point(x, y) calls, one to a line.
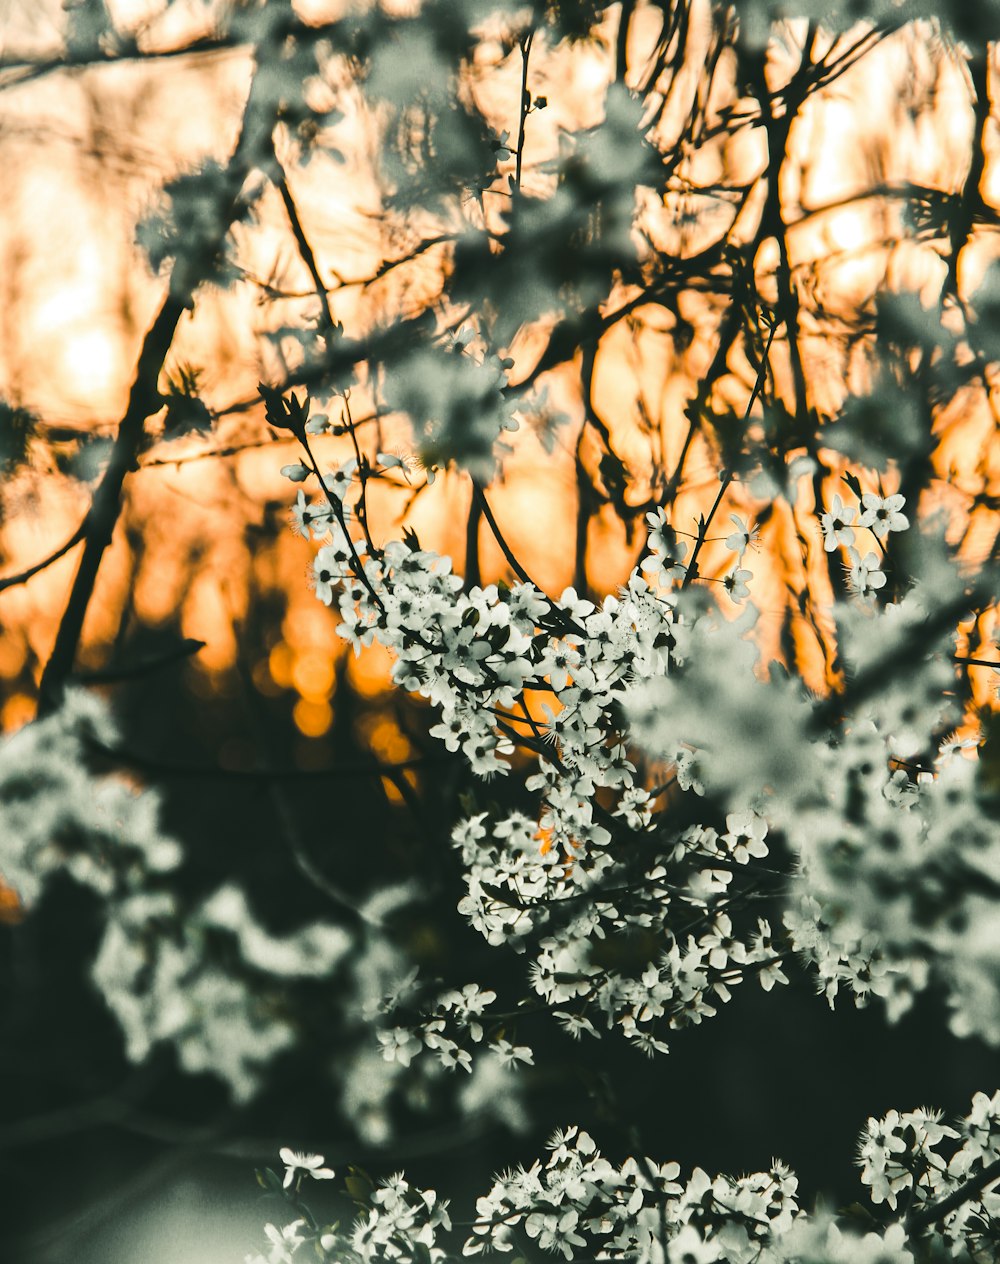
point(351, 768)
point(525, 104)
point(22, 577)
point(144, 667)
point(282, 806)
point(726, 480)
point(479, 496)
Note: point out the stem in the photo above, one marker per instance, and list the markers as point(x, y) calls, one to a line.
point(479, 498)
point(928, 1215)
point(472, 571)
point(525, 106)
point(338, 510)
point(727, 478)
point(329, 324)
point(362, 508)
point(112, 675)
point(346, 768)
point(621, 39)
point(22, 577)
point(302, 242)
point(282, 804)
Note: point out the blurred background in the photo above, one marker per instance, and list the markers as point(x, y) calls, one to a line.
point(879, 180)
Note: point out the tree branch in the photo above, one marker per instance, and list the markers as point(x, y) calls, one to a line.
point(929, 1214)
point(113, 675)
point(22, 577)
point(144, 401)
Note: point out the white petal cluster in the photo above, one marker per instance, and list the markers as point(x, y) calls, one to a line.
point(206, 978)
point(866, 904)
point(57, 817)
point(880, 516)
point(226, 1013)
point(576, 1204)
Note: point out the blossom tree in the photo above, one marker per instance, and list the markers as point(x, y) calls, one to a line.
point(663, 802)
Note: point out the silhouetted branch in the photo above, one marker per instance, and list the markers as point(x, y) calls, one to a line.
point(144, 401)
point(351, 768)
point(22, 577)
point(114, 675)
point(931, 1213)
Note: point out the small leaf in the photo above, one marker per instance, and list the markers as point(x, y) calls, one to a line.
point(282, 415)
point(359, 1184)
point(852, 482)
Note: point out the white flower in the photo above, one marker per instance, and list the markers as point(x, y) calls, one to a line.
point(688, 1247)
point(399, 1045)
point(575, 1024)
point(309, 520)
point(666, 551)
point(555, 1233)
point(464, 335)
point(500, 147)
point(744, 836)
point(308, 1164)
point(742, 537)
point(836, 525)
point(283, 1241)
point(450, 1055)
point(574, 606)
point(394, 460)
point(883, 515)
point(735, 583)
point(865, 576)
point(511, 1055)
point(338, 482)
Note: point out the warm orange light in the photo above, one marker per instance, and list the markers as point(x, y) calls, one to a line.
point(371, 672)
point(312, 675)
point(11, 911)
point(281, 662)
point(18, 709)
point(77, 338)
point(90, 361)
point(545, 835)
point(312, 719)
point(387, 740)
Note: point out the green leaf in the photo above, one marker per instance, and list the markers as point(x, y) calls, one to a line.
point(359, 1184)
point(268, 1180)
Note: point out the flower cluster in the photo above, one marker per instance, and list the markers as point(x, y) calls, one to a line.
point(880, 515)
point(203, 976)
point(900, 1157)
point(226, 1013)
point(457, 1016)
point(398, 1222)
point(577, 1203)
point(581, 686)
point(55, 816)
point(578, 1199)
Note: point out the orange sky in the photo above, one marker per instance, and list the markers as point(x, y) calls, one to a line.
point(86, 154)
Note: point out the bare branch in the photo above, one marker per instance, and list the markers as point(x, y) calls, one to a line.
point(144, 401)
point(22, 577)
